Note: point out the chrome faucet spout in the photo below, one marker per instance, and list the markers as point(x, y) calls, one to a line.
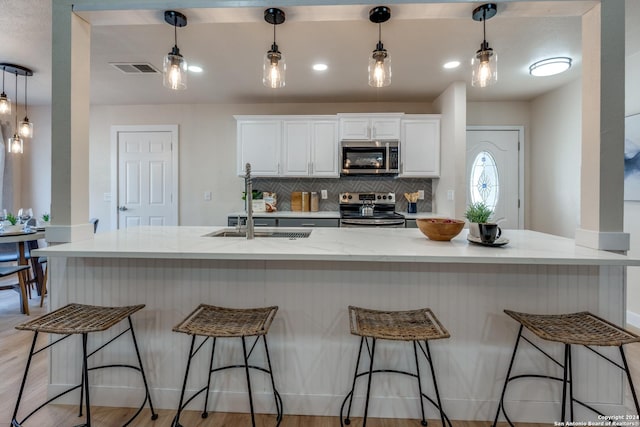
point(249, 191)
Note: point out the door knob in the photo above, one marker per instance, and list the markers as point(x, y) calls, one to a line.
point(122, 208)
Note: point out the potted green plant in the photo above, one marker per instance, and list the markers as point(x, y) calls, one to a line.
point(477, 213)
point(45, 218)
point(13, 220)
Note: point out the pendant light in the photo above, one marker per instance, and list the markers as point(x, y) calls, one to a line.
point(379, 61)
point(485, 61)
point(25, 129)
point(274, 66)
point(174, 66)
point(5, 102)
point(16, 144)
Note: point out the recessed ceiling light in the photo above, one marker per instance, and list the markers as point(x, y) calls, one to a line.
point(195, 69)
point(550, 66)
point(320, 67)
point(451, 64)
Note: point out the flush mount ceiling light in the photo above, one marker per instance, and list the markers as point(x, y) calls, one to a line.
point(320, 67)
point(379, 61)
point(195, 69)
point(274, 66)
point(550, 66)
point(5, 102)
point(174, 66)
point(485, 61)
point(451, 65)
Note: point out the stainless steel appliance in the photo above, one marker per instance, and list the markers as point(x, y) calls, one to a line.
point(369, 210)
point(370, 157)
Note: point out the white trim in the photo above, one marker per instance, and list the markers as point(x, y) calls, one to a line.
point(114, 165)
point(633, 319)
point(603, 240)
point(521, 174)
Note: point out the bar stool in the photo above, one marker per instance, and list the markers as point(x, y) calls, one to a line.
point(217, 322)
point(581, 328)
point(413, 325)
point(82, 319)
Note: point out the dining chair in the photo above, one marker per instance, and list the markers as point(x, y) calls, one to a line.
point(20, 271)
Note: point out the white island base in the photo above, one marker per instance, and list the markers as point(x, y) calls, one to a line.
point(312, 351)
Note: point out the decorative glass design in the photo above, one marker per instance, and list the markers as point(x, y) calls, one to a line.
point(485, 182)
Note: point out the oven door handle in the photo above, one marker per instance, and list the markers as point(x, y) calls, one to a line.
point(373, 223)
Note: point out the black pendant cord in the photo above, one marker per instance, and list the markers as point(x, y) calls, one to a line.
point(484, 27)
point(175, 33)
point(16, 102)
point(4, 71)
point(25, 97)
point(379, 33)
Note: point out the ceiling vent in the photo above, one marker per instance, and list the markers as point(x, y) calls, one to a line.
point(135, 67)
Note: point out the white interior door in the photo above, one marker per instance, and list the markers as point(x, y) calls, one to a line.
point(147, 187)
point(493, 174)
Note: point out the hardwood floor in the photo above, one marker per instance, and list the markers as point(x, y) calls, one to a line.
point(14, 346)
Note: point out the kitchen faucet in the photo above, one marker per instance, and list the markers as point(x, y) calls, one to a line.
point(249, 199)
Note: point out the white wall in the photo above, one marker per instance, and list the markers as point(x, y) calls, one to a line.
point(36, 164)
point(632, 209)
point(207, 156)
point(554, 161)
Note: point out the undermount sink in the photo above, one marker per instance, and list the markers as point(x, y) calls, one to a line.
point(233, 232)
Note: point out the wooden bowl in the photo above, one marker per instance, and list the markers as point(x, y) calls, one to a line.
point(441, 229)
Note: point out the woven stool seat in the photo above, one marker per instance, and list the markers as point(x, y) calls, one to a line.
point(581, 328)
point(411, 325)
point(212, 321)
point(79, 319)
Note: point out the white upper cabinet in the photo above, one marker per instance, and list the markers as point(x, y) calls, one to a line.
point(291, 146)
point(370, 126)
point(420, 146)
point(310, 148)
point(259, 143)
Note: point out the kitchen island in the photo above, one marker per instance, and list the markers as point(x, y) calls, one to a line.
point(313, 280)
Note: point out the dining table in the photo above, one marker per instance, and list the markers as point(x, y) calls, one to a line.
point(30, 238)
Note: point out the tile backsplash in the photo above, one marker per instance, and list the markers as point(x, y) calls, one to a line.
point(362, 184)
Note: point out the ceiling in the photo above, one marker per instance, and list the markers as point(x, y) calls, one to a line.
point(229, 44)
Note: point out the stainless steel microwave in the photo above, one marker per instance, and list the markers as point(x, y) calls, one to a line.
point(380, 157)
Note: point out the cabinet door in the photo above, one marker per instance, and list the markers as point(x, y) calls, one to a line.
point(420, 149)
point(355, 128)
point(324, 148)
point(308, 222)
point(296, 148)
point(385, 128)
point(259, 144)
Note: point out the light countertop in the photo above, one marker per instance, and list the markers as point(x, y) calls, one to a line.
point(335, 244)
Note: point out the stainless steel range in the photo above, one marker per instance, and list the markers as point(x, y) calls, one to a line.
point(369, 210)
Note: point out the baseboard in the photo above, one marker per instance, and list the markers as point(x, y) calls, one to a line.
point(633, 319)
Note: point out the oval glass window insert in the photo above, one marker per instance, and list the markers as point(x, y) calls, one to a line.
point(485, 182)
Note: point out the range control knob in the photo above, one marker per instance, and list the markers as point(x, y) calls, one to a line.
point(378, 197)
point(350, 197)
point(384, 197)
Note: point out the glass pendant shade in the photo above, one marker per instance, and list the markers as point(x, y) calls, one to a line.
point(379, 68)
point(16, 144)
point(274, 69)
point(174, 71)
point(25, 128)
point(484, 67)
point(5, 104)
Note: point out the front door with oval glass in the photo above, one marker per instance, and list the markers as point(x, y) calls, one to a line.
point(493, 173)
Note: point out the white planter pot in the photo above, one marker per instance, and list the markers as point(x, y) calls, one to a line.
point(474, 230)
point(13, 228)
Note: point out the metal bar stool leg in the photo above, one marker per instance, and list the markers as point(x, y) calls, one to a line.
point(435, 383)
point(24, 379)
point(246, 368)
point(205, 413)
point(633, 389)
point(506, 380)
point(154, 415)
point(176, 419)
point(347, 421)
point(570, 382)
point(86, 378)
point(415, 353)
point(564, 383)
point(276, 395)
point(366, 404)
